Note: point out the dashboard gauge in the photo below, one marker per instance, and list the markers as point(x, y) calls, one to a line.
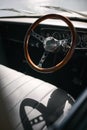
point(56, 35)
point(84, 40)
point(48, 34)
point(78, 40)
point(68, 37)
point(84, 37)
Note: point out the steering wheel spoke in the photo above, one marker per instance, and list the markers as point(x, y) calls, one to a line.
point(43, 58)
point(37, 36)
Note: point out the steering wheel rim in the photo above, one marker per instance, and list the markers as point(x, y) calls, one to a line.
point(68, 55)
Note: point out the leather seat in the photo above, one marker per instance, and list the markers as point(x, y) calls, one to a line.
point(27, 103)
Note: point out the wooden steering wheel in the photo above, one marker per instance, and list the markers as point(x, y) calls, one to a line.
point(69, 53)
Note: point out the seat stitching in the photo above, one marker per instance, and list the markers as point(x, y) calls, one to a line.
point(26, 95)
point(18, 87)
point(17, 78)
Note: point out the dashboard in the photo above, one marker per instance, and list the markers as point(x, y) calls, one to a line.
point(65, 34)
point(60, 33)
point(55, 29)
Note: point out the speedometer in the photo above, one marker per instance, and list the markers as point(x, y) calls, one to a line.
point(56, 35)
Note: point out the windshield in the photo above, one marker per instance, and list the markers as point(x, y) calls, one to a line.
point(41, 7)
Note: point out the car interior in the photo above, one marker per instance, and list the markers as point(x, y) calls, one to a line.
point(43, 73)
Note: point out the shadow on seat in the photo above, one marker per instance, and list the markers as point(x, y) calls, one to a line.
point(28, 103)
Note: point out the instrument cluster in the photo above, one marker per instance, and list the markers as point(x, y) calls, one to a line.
point(60, 34)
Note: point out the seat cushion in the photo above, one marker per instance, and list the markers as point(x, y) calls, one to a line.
point(28, 103)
